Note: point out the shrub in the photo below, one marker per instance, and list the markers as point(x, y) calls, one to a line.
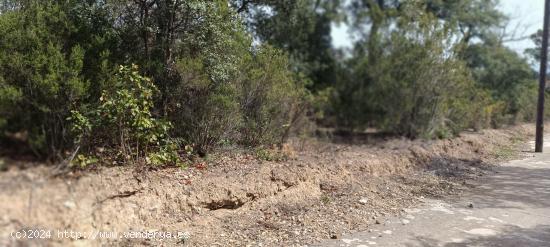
point(202, 111)
point(417, 87)
point(272, 100)
point(60, 89)
point(40, 77)
point(124, 120)
point(508, 79)
point(202, 92)
point(259, 106)
point(224, 90)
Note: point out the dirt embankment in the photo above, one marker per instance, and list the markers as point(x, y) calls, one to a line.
point(325, 190)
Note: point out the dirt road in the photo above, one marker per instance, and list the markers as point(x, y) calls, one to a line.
point(509, 208)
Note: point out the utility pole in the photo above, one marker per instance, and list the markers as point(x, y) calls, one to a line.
point(542, 79)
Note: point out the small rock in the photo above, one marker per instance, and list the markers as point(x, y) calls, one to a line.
point(335, 235)
point(363, 201)
point(471, 205)
point(69, 204)
point(377, 222)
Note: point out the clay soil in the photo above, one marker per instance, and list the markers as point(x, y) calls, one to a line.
point(234, 198)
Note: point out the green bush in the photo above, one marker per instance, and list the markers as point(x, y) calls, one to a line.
point(258, 106)
point(205, 79)
point(508, 79)
point(416, 87)
point(202, 111)
point(227, 91)
point(272, 98)
point(40, 77)
point(202, 92)
point(59, 85)
point(123, 119)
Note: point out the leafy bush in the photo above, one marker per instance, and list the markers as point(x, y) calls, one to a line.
point(417, 87)
point(124, 118)
point(272, 98)
point(204, 80)
point(258, 106)
point(202, 111)
point(40, 77)
point(508, 78)
point(202, 92)
point(59, 85)
point(227, 91)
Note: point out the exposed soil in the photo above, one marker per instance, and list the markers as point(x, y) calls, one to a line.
point(324, 190)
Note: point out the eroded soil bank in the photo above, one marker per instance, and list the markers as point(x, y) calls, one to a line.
point(324, 190)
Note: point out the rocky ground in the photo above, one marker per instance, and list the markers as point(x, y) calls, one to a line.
point(236, 198)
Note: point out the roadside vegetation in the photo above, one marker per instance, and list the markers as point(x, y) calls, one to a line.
point(158, 81)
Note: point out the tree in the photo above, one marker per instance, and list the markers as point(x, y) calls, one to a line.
point(417, 86)
point(475, 19)
point(302, 28)
point(62, 57)
point(42, 74)
point(507, 76)
point(534, 52)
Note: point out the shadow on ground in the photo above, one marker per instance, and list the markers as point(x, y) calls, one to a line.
point(515, 187)
point(524, 187)
point(512, 236)
point(508, 186)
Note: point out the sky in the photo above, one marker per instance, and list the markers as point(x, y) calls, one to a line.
point(525, 16)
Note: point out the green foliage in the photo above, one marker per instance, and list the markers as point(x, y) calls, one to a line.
point(203, 111)
point(428, 81)
point(240, 72)
point(417, 87)
point(83, 161)
point(416, 71)
point(272, 98)
point(124, 118)
point(40, 73)
point(507, 77)
point(258, 106)
point(300, 27)
point(474, 19)
point(229, 91)
point(270, 155)
point(535, 52)
point(9, 96)
point(81, 125)
point(126, 108)
point(167, 154)
point(60, 70)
